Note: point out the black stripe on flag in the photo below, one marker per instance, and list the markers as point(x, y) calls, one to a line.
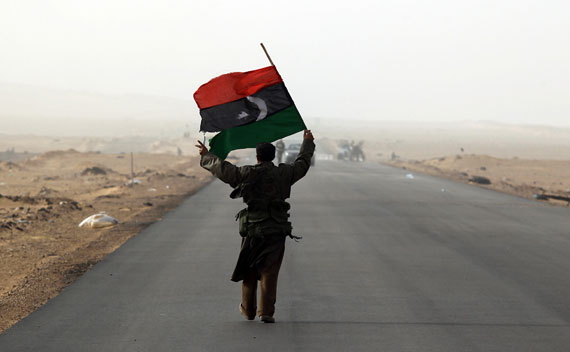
point(247, 110)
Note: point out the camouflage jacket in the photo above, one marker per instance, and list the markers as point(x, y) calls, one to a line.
point(265, 215)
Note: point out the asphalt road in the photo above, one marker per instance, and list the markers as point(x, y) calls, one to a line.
point(387, 263)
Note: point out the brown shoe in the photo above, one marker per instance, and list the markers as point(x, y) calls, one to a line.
point(267, 319)
point(243, 312)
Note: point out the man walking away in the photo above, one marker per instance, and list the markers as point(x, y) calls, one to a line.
point(264, 223)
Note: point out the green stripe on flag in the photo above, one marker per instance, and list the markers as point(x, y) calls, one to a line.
point(279, 125)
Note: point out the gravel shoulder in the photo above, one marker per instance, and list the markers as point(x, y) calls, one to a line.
point(542, 180)
point(44, 198)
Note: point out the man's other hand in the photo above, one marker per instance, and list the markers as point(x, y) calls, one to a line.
point(307, 134)
point(202, 148)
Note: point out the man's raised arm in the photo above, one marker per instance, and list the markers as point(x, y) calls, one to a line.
point(225, 171)
point(303, 160)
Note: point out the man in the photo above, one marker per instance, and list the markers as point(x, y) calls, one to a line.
point(280, 147)
point(264, 223)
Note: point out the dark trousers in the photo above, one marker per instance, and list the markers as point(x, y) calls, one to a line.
point(267, 286)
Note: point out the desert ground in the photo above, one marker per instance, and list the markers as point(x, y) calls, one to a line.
point(45, 196)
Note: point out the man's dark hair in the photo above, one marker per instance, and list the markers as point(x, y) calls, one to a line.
point(265, 151)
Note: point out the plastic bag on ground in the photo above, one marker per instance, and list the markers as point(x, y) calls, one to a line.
point(98, 221)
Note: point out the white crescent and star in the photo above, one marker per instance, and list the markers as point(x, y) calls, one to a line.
point(260, 103)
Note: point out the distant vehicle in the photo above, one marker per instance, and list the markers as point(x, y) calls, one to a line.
point(343, 151)
point(350, 151)
point(292, 151)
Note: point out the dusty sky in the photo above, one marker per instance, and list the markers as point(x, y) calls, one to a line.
point(441, 60)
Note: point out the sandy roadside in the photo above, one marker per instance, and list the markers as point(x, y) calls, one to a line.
point(43, 199)
point(541, 180)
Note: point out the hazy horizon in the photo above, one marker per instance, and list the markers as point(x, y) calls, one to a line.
point(442, 61)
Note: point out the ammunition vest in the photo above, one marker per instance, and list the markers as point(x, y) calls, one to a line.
point(267, 211)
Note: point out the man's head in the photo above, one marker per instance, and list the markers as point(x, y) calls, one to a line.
point(265, 152)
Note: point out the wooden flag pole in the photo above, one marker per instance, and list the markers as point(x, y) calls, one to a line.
point(267, 54)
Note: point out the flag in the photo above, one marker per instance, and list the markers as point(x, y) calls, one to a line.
point(246, 108)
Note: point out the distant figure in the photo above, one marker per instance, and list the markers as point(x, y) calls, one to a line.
point(356, 153)
point(280, 148)
point(264, 224)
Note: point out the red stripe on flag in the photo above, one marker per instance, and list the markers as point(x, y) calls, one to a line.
point(234, 86)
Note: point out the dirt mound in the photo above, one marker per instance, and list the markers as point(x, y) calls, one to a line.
point(39, 160)
point(58, 154)
point(9, 166)
point(46, 192)
point(21, 199)
point(482, 180)
point(94, 170)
